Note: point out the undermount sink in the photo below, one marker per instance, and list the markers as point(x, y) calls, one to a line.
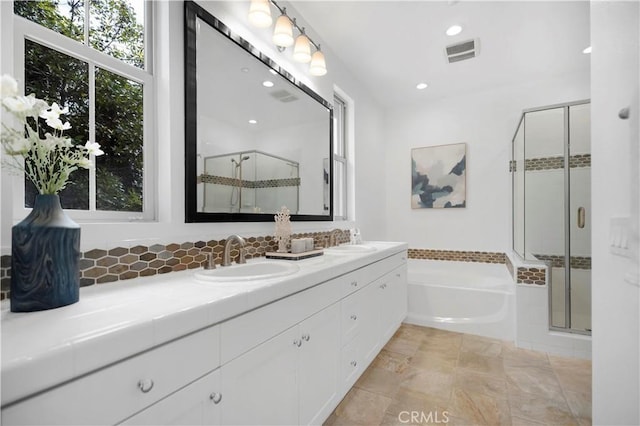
point(350, 248)
point(261, 270)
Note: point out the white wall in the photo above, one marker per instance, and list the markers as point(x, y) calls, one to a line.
point(615, 68)
point(486, 121)
point(170, 226)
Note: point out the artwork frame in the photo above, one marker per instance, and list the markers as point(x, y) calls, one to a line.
point(439, 176)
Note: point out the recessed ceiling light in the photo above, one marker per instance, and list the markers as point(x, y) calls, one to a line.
point(454, 30)
point(244, 69)
point(587, 50)
point(253, 121)
point(267, 83)
point(421, 86)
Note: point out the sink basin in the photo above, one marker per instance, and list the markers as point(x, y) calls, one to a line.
point(247, 272)
point(350, 248)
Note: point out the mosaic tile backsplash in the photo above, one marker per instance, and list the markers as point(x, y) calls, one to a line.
point(456, 255)
point(99, 266)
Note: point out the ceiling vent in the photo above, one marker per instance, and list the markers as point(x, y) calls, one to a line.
point(284, 96)
point(462, 51)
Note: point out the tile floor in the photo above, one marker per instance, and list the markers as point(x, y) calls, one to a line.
point(430, 376)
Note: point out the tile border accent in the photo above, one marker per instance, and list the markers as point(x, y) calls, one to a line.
point(557, 261)
point(552, 163)
point(99, 266)
point(251, 184)
point(457, 255)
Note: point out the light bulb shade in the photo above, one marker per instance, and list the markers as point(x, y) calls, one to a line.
point(302, 49)
point(260, 13)
point(318, 66)
point(283, 32)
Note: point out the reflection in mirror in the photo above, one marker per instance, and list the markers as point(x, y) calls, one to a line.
point(256, 139)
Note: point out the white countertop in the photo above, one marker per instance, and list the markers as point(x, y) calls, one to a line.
point(117, 320)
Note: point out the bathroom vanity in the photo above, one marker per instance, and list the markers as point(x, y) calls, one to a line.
point(182, 349)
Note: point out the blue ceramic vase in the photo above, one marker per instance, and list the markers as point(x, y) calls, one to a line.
point(45, 252)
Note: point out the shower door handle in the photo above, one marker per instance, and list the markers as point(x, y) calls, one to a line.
point(581, 217)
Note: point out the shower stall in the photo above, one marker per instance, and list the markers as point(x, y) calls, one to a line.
point(249, 182)
point(551, 181)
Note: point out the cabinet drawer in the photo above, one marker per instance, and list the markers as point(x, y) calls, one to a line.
point(114, 393)
point(352, 362)
point(354, 312)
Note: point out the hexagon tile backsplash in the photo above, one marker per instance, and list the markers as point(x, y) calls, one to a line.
point(99, 266)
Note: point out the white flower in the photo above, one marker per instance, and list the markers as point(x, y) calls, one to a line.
point(93, 148)
point(8, 87)
point(21, 104)
point(53, 112)
point(49, 143)
point(56, 123)
point(84, 163)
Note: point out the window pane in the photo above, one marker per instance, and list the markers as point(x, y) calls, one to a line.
point(65, 16)
point(339, 127)
point(339, 188)
point(117, 29)
point(119, 131)
point(56, 77)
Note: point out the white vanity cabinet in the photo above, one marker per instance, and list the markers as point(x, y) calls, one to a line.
point(195, 404)
point(289, 360)
point(114, 393)
point(289, 379)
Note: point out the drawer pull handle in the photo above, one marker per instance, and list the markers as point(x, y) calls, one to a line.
point(354, 363)
point(398, 275)
point(354, 317)
point(297, 342)
point(383, 286)
point(354, 283)
point(145, 385)
point(306, 337)
point(215, 397)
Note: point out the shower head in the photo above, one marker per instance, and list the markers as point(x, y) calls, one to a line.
point(246, 157)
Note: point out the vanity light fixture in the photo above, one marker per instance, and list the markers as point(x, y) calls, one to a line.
point(454, 30)
point(318, 65)
point(283, 31)
point(260, 14)
point(587, 50)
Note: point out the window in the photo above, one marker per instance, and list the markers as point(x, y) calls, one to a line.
point(92, 56)
point(340, 163)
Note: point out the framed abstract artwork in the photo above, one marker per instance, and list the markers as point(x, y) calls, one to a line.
point(438, 176)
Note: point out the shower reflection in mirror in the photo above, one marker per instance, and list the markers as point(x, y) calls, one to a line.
point(248, 182)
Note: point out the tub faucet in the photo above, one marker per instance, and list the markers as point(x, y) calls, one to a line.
point(226, 255)
point(333, 240)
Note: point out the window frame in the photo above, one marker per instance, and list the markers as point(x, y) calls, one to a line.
point(345, 134)
point(24, 29)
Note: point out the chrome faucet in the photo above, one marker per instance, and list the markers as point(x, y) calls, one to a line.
point(333, 241)
point(226, 255)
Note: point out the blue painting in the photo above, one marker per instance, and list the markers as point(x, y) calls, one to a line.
point(438, 176)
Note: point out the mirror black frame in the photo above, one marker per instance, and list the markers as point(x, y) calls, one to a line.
point(191, 12)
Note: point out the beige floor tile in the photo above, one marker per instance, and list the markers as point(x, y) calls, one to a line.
point(431, 384)
point(480, 363)
point(360, 407)
point(495, 387)
point(534, 380)
point(434, 361)
point(481, 345)
point(392, 361)
point(479, 409)
point(380, 381)
point(543, 409)
point(403, 346)
point(431, 374)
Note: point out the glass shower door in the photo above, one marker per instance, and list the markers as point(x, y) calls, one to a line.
point(580, 216)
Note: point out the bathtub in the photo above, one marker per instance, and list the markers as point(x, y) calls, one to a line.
point(467, 297)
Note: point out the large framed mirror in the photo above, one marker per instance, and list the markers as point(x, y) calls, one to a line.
point(256, 138)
